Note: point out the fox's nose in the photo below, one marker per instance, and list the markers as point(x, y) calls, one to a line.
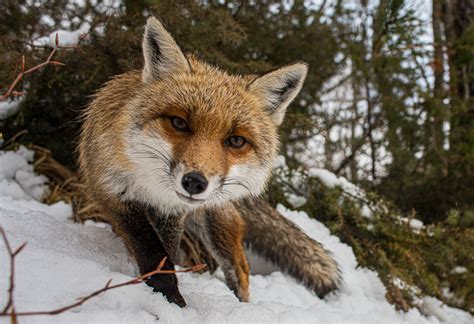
point(194, 183)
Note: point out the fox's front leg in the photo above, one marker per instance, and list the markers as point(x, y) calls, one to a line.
point(222, 232)
point(132, 223)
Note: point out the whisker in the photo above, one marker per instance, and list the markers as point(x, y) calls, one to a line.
point(225, 183)
point(162, 153)
point(154, 155)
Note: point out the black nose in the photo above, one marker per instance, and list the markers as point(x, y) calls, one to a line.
point(194, 183)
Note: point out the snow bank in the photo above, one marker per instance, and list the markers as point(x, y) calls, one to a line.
point(17, 178)
point(63, 261)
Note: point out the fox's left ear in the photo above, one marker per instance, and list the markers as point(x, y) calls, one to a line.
point(279, 87)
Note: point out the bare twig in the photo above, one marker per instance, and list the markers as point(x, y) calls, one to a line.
point(9, 309)
point(49, 61)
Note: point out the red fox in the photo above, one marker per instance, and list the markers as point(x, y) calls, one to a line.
point(184, 145)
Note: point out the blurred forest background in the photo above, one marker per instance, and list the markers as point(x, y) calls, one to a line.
point(388, 104)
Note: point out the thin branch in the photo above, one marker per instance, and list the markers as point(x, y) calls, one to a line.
point(358, 145)
point(9, 309)
point(292, 187)
point(49, 61)
point(355, 147)
point(321, 8)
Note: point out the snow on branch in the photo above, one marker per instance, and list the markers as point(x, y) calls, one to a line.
point(9, 309)
point(11, 92)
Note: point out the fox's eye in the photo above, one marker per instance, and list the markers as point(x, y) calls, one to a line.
point(236, 141)
point(180, 124)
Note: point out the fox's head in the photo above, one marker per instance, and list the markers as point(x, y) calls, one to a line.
point(200, 136)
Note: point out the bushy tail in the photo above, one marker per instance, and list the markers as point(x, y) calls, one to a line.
point(278, 240)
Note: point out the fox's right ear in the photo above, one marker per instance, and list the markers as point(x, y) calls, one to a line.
point(163, 56)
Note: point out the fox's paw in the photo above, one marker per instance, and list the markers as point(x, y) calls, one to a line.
point(238, 281)
point(243, 271)
point(168, 287)
point(237, 273)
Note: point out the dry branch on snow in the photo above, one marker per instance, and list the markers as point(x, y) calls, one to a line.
point(9, 309)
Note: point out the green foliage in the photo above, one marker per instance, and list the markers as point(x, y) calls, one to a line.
point(411, 263)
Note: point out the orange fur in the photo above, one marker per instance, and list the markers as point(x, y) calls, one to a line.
point(133, 158)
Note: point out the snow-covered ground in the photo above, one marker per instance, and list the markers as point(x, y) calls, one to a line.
point(63, 261)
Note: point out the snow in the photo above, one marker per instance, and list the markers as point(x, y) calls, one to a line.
point(295, 200)
point(65, 37)
point(64, 260)
point(459, 270)
point(444, 313)
point(71, 37)
point(9, 108)
point(328, 178)
point(415, 224)
point(17, 178)
point(331, 180)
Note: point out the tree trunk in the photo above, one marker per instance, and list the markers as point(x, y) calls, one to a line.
point(458, 17)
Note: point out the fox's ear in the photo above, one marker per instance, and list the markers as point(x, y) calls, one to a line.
point(163, 56)
point(279, 87)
